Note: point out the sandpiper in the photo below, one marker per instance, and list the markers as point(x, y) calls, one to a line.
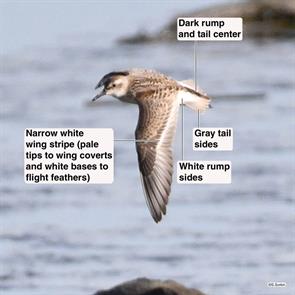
point(158, 98)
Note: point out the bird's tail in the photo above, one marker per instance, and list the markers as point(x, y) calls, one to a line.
point(196, 99)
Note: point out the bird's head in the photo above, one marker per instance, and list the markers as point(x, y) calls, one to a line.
point(114, 84)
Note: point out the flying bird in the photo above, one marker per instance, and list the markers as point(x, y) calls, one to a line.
point(158, 98)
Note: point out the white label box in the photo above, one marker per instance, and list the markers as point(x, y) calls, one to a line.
point(209, 29)
point(204, 172)
point(213, 139)
point(68, 155)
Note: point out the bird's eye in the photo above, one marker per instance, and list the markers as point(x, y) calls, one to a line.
point(113, 85)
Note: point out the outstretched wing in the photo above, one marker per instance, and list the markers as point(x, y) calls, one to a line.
point(158, 110)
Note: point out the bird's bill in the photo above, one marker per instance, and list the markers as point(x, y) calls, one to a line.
point(96, 97)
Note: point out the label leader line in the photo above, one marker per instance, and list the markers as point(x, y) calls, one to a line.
point(195, 77)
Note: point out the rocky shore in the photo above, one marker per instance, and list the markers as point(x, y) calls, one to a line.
point(261, 19)
point(143, 286)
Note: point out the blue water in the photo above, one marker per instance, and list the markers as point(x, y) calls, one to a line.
point(76, 239)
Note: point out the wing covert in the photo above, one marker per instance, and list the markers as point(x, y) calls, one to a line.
point(158, 109)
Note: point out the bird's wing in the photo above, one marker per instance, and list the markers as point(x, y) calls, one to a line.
point(158, 110)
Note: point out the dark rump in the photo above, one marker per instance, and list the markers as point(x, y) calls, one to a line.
point(196, 92)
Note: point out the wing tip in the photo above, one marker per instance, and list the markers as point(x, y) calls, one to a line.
point(160, 217)
point(157, 215)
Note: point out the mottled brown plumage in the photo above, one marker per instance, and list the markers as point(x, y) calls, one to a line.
point(158, 98)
